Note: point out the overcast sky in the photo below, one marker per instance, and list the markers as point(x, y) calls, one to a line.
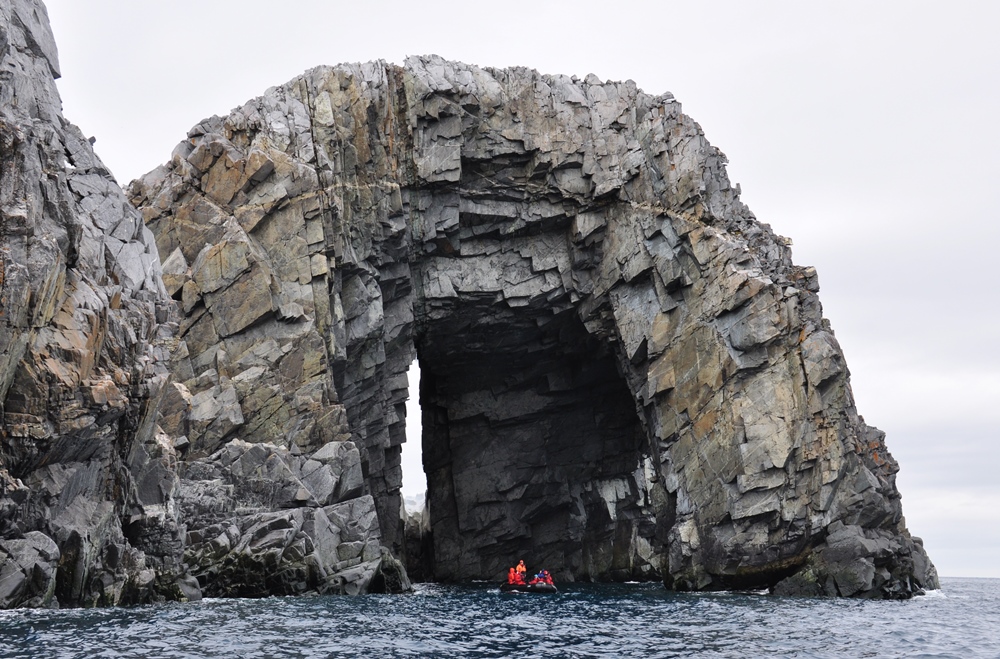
point(866, 132)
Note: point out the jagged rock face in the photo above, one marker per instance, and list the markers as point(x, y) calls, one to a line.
point(100, 505)
point(86, 508)
point(262, 521)
point(262, 360)
point(625, 376)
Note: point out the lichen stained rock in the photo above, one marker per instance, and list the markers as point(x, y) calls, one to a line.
point(104, 499)
point(624, 374)
point(87, 514)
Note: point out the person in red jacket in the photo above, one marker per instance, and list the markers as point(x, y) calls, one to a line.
point(542, 577)
point(514, 577)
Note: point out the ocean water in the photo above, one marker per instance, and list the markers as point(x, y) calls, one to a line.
point(584, 620)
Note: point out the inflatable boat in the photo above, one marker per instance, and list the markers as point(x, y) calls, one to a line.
point(540, 588)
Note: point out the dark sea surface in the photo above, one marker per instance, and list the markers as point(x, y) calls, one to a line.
point(624, 620)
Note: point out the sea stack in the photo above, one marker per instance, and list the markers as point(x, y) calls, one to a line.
point(624, 376)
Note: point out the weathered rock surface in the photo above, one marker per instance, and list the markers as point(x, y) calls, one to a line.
point(624, 374)
point(262, 521)
point(99, 504)
point(86, 508)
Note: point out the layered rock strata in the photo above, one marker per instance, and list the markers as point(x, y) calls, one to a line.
point(86, 508)
point(624, 374)
point(98, 505)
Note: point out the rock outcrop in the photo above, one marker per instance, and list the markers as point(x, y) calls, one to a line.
point(105, 500)
point(87, 514)
point(624, 374)
point(262, 521)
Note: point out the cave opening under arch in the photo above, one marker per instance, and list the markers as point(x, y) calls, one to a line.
point(532, 447)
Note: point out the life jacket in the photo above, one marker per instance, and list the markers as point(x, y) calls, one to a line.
point(511, 576)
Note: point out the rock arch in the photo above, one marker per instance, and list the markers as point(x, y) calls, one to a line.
point(626, 375)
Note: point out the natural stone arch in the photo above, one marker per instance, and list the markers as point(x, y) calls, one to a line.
point(321, 234)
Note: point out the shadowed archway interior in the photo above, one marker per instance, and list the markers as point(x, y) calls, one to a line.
point(532, 447)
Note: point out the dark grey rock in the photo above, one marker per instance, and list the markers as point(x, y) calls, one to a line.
point(262, 521)
point(28, 571)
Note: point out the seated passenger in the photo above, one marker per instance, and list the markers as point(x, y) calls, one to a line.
point(512, 576)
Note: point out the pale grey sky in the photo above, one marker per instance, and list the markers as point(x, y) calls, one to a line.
point(867, 132)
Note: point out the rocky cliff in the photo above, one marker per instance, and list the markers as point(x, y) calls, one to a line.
point(624, 374)
point(99, 504)
point(86, 514)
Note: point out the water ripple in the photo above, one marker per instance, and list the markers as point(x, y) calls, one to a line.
point(625, 620)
